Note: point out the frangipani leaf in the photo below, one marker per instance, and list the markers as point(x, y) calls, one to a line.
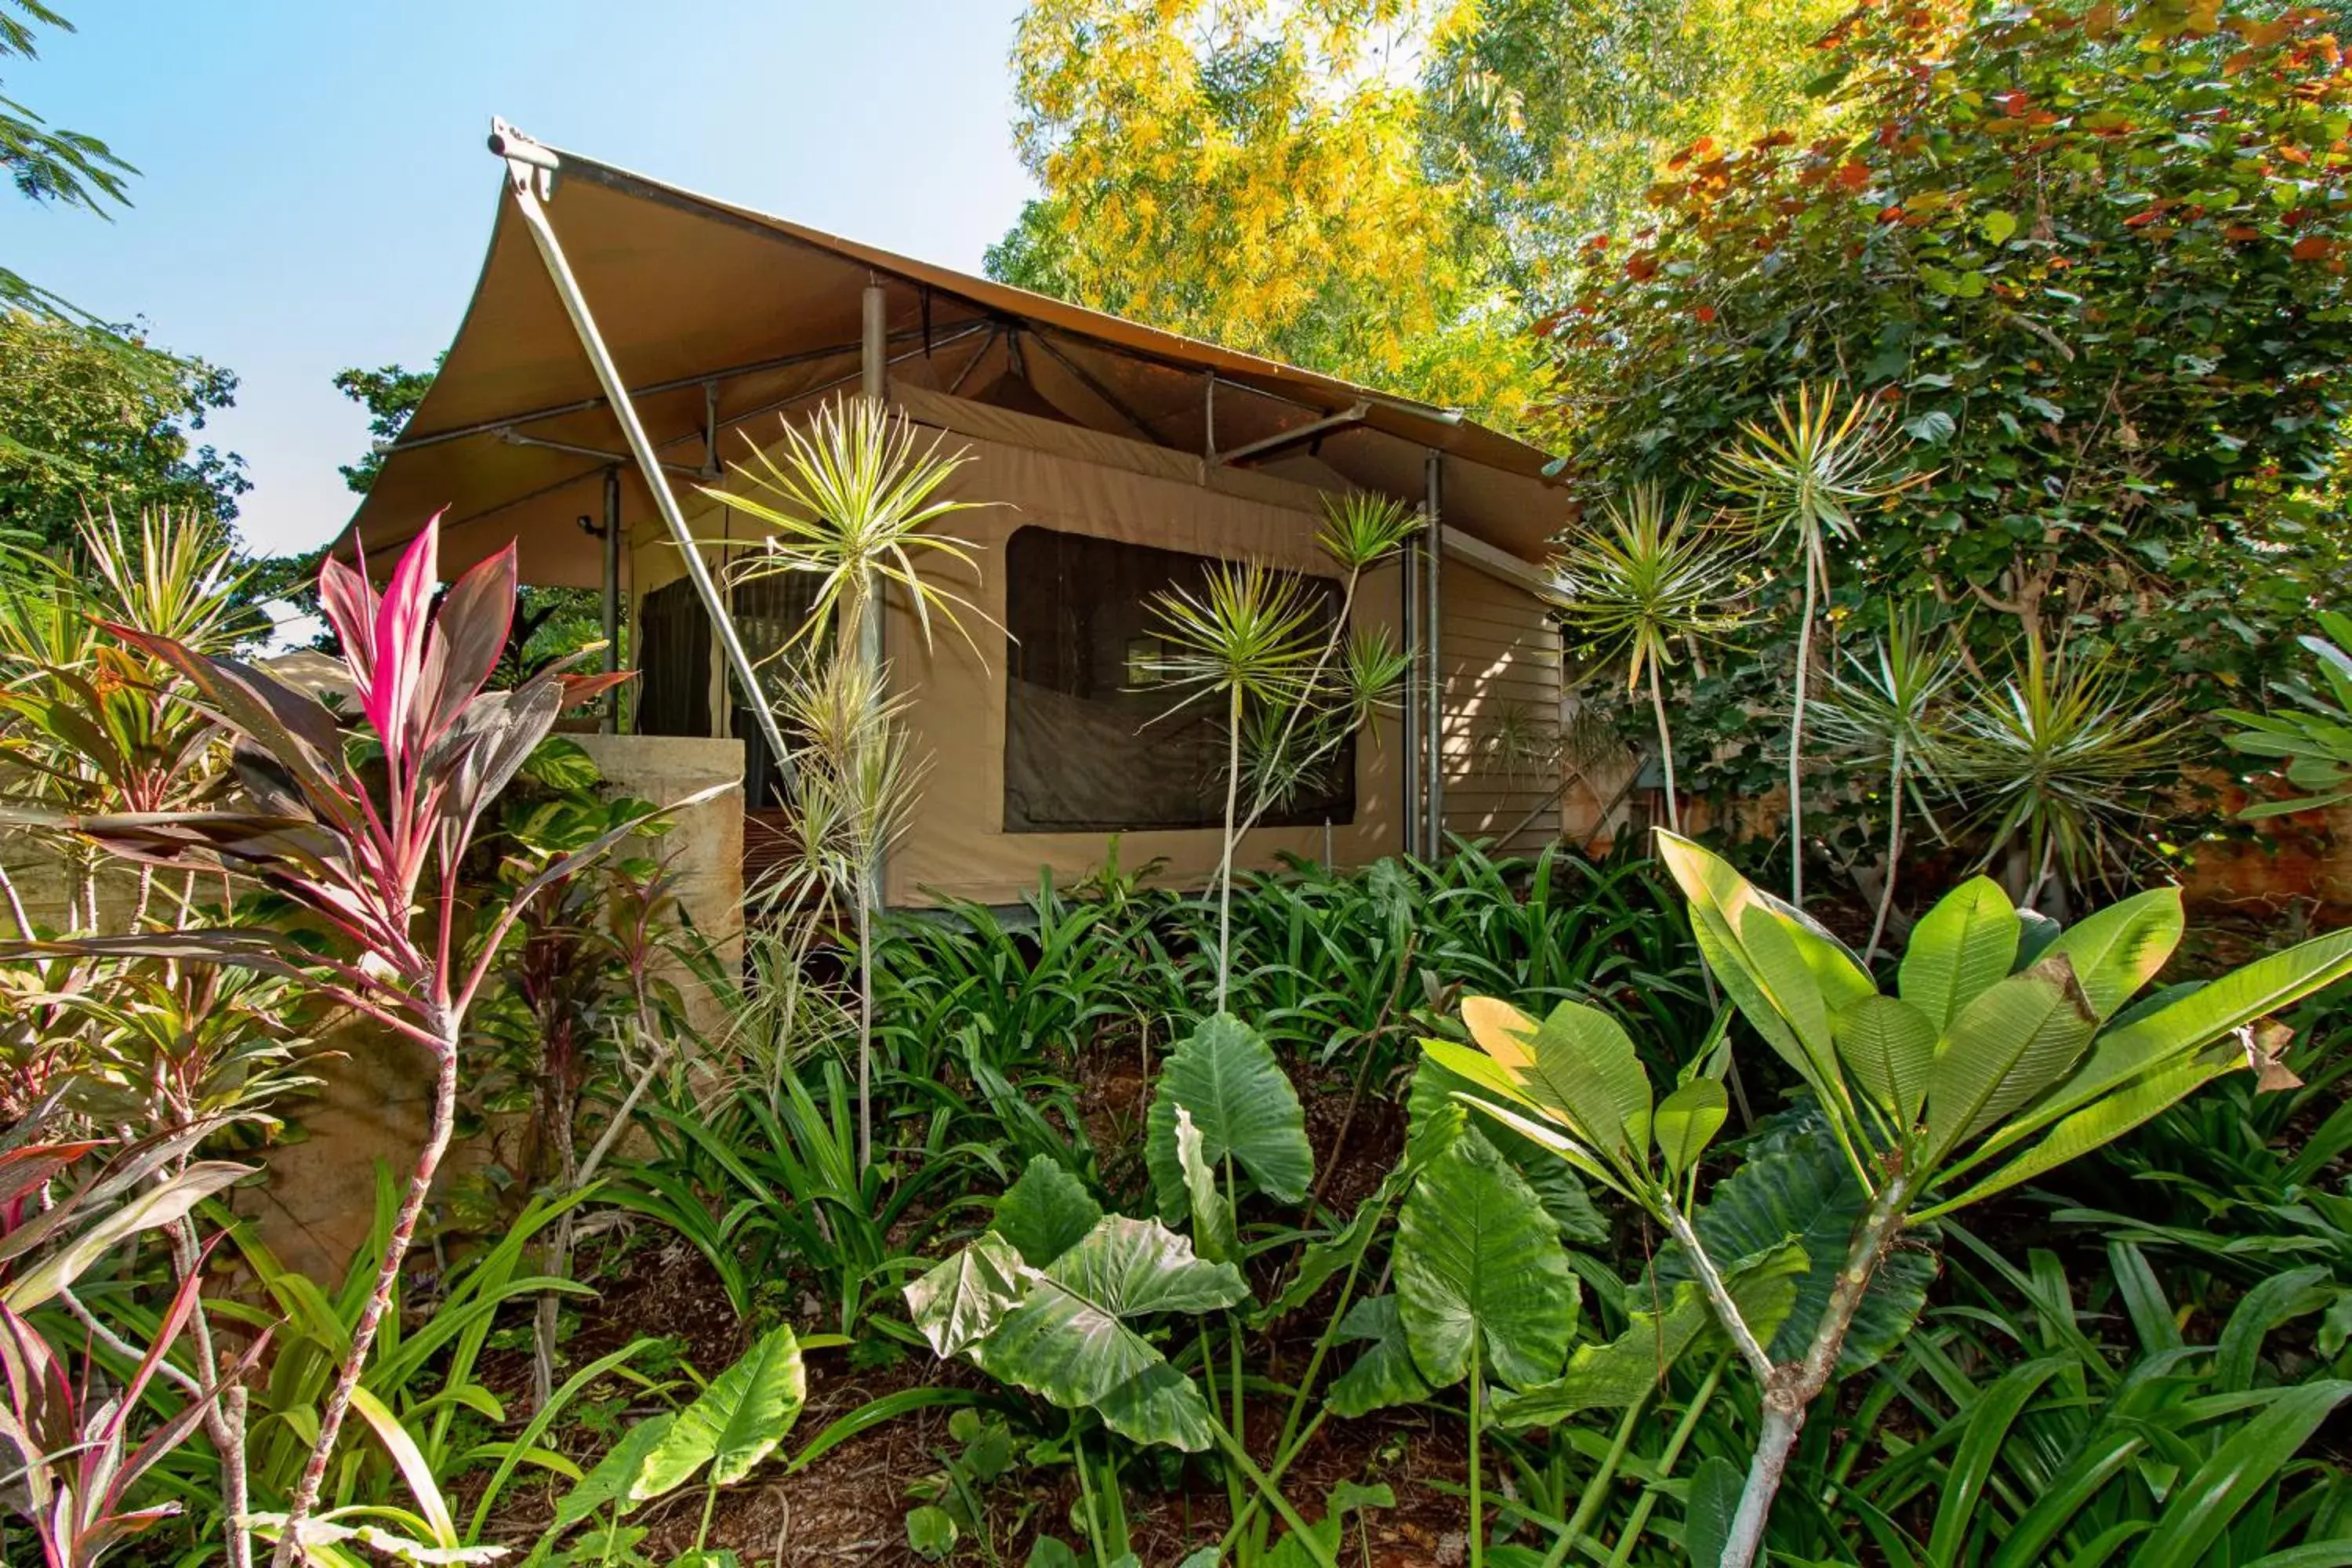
point(1436, 1110)
point(1579, 1062)
point(1889, 1050)
point(2120, 949)
point(1479, 1270)
point(1245, 1108)
point(1687, 1121)
point(2004, 1046)
point(1959, 949)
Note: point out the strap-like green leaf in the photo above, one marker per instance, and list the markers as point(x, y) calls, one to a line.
point(1958, 950)
point(1476, 1256)
point(2200, 1508)
point(2120, 949)
point(1046, 1211)
point(1243, 1101)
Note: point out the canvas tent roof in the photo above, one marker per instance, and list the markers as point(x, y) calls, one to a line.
point(721, 318)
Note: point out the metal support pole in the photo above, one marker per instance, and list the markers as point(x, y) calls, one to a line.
point(611, 724)
point(1409, 595)
point(1432, 639)
point(531, 171)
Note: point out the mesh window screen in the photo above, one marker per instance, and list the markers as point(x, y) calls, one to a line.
point(1090, 741)
point(674, 665)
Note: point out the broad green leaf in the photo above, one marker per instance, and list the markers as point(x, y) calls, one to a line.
point(930, 1532)
point(1687, 1121)
point(2120, 949)
point(736, 1422)
point(1069, 1339)
point(614, 1479)
point(958, 1302)
point(2011, 1042)
point(2201, 1506)
point(1383, 1375)
point(2199, 1018)
point(2100, 1121)
point(1958, 950)
point(1046, 1211)
point(1245, 1108)
point(1795, 1185)
point(1611, 1377)
point(1658, 1333)
point(1214, 1237)
point(1479, 1262)
point(1435, 1116)
point(1708, 1510)
point(1889, 1050)
point(1717, 896)
point(1578, 1061)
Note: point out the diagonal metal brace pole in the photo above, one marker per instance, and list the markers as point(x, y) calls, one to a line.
point(530, 176)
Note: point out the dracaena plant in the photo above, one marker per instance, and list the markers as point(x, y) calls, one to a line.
point(2010, 1047)
point(365, 834)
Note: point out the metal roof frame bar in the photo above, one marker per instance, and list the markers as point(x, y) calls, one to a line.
point(531, 172)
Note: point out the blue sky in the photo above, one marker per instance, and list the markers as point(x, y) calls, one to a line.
point(314, 190)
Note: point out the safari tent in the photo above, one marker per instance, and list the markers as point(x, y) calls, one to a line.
point(627, 340)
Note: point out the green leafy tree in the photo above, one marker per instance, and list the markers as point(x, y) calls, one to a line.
point(46, 162)
point(2084, 255)
point(389, 393)
point(85, 426)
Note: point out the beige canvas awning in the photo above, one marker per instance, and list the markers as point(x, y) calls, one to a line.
point(720, 319)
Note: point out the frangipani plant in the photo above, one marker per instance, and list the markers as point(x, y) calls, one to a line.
point(365, 838)
point(2010, 1048)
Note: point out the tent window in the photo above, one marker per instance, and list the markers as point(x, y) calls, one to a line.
point(675, 665)
point(1090, 740)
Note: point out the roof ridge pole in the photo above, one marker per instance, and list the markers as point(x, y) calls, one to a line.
point(530, 176)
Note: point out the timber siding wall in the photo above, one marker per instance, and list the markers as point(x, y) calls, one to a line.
point(1500, 656)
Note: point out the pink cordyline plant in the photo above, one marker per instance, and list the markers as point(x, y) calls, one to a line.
point(371, 848)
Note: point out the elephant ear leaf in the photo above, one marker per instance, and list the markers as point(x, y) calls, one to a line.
point(1480, 1271)
point(960, 1301)
point(1245, 1108)
point(1069, 1338)
point(737, 1419)
point(1047, 1212)
point(1383, 1375)
point(1795, 1185)
point(1214, 1237)
point(614, 1479)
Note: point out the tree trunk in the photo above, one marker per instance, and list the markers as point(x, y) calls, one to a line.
point(1665, 747)
point(387, 1284)
point(1893, 850)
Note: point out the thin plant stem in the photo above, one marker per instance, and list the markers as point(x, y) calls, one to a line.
point(1477, 1504)
point(1225, 853)
point(1796, 723)
point(1665, 746)
point(1596, 1490)
point(1893, 850)
point(1631, 1533)
point(387, 1282)
point(1274, 1499)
